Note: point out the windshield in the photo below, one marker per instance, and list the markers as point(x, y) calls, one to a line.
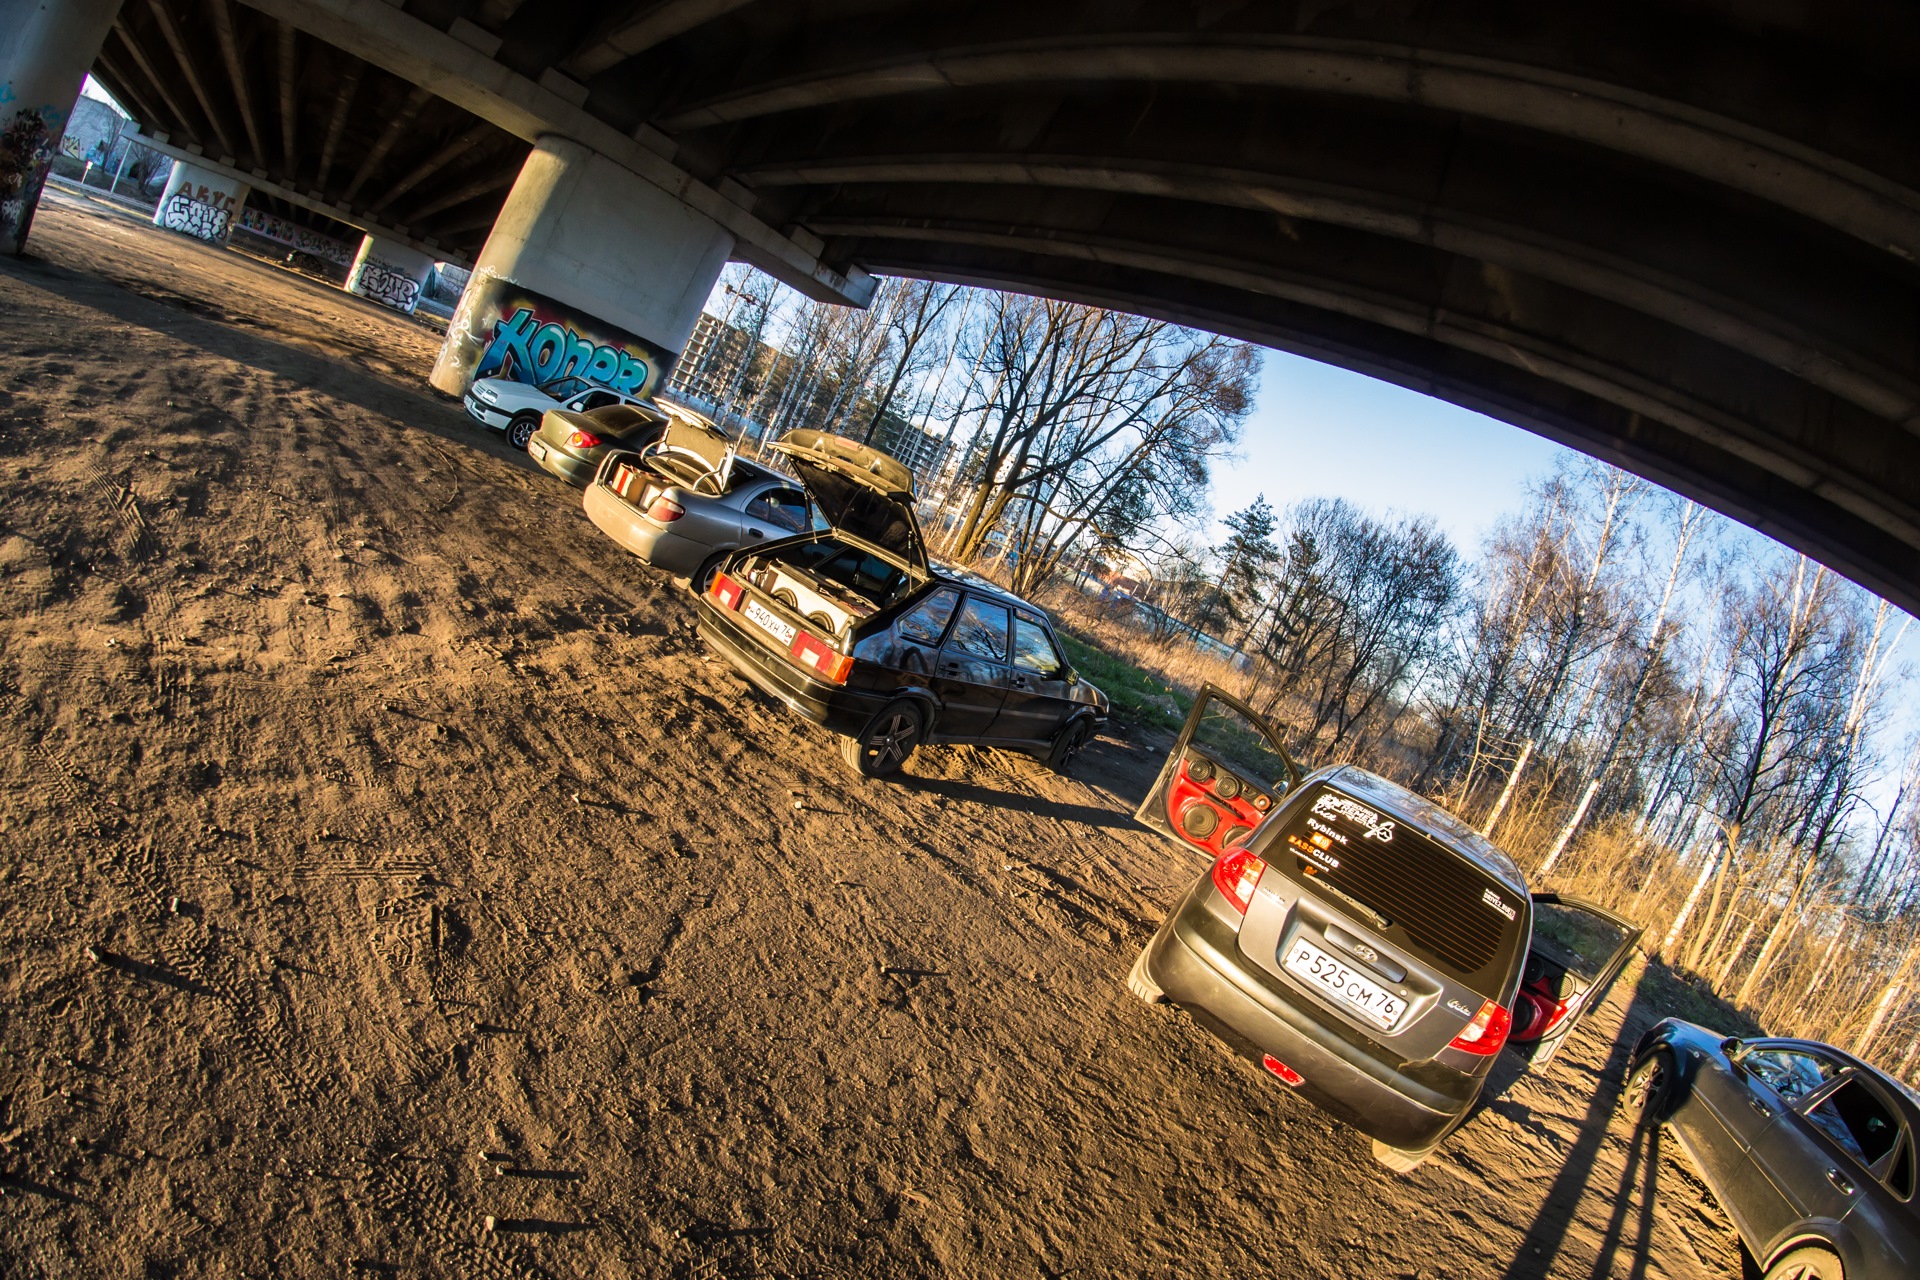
point(561, 388)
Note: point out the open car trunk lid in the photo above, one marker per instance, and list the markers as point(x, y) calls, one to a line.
point(691, 452)
point(860, 490)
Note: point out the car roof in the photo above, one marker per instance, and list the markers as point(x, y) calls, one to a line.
point(1431, 817)
point(956, 576)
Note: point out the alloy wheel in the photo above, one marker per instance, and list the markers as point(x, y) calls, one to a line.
point(890, 745)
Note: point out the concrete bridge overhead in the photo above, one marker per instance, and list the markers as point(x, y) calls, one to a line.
point(1678, 236)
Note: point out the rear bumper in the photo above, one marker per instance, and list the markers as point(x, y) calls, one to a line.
point(629, 526)
point(842, 710)
point(1195, 960)
point(578, 472)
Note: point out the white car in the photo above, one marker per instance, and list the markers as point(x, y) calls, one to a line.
point(516, 407)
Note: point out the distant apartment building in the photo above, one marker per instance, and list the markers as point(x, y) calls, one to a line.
point(705, 370)
point(709, 377)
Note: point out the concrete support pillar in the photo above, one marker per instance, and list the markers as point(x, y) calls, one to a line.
point(390, 274)
point(200, 203)
point(46, 47)
point(589, 271)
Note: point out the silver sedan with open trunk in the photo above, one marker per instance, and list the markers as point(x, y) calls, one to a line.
point(685, 501)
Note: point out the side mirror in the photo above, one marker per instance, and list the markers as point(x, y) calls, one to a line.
point(1734, 1047)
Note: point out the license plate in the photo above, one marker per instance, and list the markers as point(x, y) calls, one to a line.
point(767, 621)
point(538, 450)
point(1345, 984)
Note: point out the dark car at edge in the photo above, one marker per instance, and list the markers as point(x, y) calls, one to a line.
point(1809, 1150)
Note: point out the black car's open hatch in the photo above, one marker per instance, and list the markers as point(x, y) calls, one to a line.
point(860, 491)
point(1576, 952)
point(1226, 772)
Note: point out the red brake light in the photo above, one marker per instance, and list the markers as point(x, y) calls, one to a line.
point(1486, 1033)
point(583, 440)
point(1235, 875)
point(1282, 1070)
point(728, 592)
point(822, 657)
point(665, 509)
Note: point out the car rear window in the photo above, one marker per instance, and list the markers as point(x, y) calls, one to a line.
point(1406, 884)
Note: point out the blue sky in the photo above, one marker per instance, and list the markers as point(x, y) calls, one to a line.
point(1321, 431)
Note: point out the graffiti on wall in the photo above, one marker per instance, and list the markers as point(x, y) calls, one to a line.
point(27, 143)
point(198, 212)
point(502, 330)
point(386, 284)
point(295, 236)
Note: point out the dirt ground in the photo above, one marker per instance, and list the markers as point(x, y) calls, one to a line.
point(380, 853)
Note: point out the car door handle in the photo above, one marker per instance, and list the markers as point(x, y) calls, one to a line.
point(755, 533)
point(1840, 1182)
point(1760, 1106)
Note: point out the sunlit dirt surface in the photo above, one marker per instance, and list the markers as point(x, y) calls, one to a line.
point(381, 853)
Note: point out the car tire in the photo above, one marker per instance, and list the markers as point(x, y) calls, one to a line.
point(1067, 745)
point(1140, 980)
point(703, 576)
point(1649, 1092)
point(1398, 1159)
point(879, 750)
point(521, 430)
point(1808, 1263)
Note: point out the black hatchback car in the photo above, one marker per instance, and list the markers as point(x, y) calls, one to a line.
point(854, 628)
point(1810, 1150)
point(1359, 942)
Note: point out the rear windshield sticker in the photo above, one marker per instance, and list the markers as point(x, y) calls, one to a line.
point(1317, 844)
point(1331, 804)
point(1495, 901)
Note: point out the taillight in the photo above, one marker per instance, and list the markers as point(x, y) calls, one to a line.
point(1487, 1032)
point(1235, 875)
point(728, 592)
point(1282, 1070)
point(821, 656)
point(583, 440)
point(665, 510)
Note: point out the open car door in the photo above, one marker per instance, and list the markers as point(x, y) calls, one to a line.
point(1577, 951)
point(1226, 772)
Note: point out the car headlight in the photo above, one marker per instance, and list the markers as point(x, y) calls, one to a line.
point(487, 393)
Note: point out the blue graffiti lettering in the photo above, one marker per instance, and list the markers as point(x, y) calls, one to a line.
point(604, 365)
point(549, 351)
point(632, 375)
point(506, 355)
point(524, 349)
point(579, 355)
